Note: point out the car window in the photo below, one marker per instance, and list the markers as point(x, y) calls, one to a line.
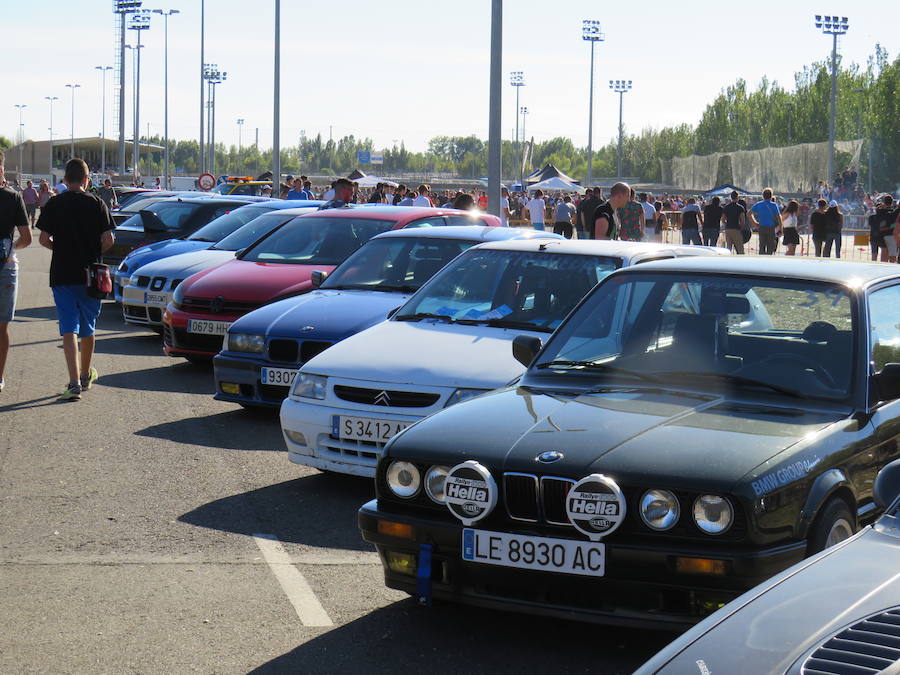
point(396, 263)
point(173, 215)
point(791, 334)
point(318, 240)
point(253, 231)
point(884, 317)
point(458, 219)
point(225, 222)
point(433, 221)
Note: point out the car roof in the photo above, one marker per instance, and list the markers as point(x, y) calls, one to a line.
point(612, 248)
point(402, 212)
point(217, 199)
point(468, 233)
point(844, 272)
point(283, 204)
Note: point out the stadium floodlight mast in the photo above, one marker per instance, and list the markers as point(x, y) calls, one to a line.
point(123, 8)
point(103, 70)
point(214, 76)
point(276, 105)
point(73, 87)
point(21, 107)
point(517, 80)
point(590, 31)
point(833, 26)
point(166, 13)
point(50, 129)
point(140, 21)
point(621, 87)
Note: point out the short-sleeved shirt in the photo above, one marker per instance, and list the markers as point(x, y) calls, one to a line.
point(604, 210)
point(712, 216)
point(422, 200)
point(649, 211)
point(30, 196)
point(564, 212)
point(76, 221)
point(819, 224)
point(504, 207)
point(765, 212)
point(631, 221)
point(585, 210)
point(12, 215)
point(536, 209)
point(690, 217)
point(733, 212)
point(108, 195)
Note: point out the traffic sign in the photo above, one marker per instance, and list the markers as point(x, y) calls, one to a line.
point(376, 158)
point(206, 182)
point(364, 156)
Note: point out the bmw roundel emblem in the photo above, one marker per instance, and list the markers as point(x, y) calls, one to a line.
point(549, 456)
point(307, 329)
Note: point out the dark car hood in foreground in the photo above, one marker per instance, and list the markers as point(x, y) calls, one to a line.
point(322, 313)
point(629, 434)
point(773, 625)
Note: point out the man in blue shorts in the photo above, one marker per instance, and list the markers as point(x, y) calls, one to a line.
point(13, 218)
point(77, 227)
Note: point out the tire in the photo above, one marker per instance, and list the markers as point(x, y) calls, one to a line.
point(834, 523)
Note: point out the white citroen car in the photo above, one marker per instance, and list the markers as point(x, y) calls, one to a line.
point(450, 341)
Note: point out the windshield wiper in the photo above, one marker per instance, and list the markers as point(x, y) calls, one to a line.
point(505, 323)
point(418, 316)
point(211, 241)
point(733, 378)
point(596, 365)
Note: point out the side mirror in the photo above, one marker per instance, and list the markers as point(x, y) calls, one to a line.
point(887, 484)
point(317, 277)
point(525, 348)
point(888, 382)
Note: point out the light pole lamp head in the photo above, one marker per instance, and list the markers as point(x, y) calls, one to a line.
point(590, 31)
point(523, 110)
point(832, 25)
point(517, 78)
point(166, 12)
point(140, 20)
point(620, 86)
point(127, 6)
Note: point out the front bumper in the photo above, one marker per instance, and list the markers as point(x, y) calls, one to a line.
point(177, 341)
point(641, 587)
point(137, 310)
point(245, 373)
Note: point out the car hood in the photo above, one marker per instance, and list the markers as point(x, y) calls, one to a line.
point(162, 249)
point(184, 265)
point(323, 313)
point(773, 625)
point(632, 434)
point(425, 353)
point(242, 281)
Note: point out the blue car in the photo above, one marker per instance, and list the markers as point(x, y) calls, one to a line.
point(209, 234)
point(264, 348)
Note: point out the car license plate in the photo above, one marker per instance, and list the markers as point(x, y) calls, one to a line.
point(585, 558)
point(155, 298)
point(365, 428)
point(283, 377)
point(207, 327)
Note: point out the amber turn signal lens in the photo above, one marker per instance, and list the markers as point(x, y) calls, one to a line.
point(402, 563)
point(392, 529)
point(231, 388)
point(699, 566)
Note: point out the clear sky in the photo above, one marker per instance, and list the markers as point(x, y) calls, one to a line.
point(412, 70)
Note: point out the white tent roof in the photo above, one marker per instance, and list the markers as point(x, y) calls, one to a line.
point(556, 184)
point(372, 181)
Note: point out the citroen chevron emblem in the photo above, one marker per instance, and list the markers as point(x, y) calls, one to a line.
point(382, 399)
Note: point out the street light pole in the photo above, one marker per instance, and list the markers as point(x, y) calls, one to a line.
point(202, 80)
point(214, 77)
point(620, 87)
point(833, 26)
point(166, 13)
point(123, 8)
point(51, 99)
point(517, 80)
point(276, 105)
point(494, 108)
point(139, 22)
point(523, 111)
point(73, 87)
point(590, 31)
point(21, 107)
point(240, 124)
point(103, 70)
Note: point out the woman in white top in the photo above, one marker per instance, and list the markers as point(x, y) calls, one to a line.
point(790, 235)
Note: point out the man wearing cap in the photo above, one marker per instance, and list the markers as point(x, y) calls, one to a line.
point(767, 218)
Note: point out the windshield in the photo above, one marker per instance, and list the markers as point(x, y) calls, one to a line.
point(142, 203)
point(317, 240)
point(228, 223)
point(174, 215)
point(254, 230)
point(525, 289)
point(395, 264)
point(792, 336)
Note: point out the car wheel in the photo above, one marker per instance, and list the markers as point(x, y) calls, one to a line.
point(834, 524)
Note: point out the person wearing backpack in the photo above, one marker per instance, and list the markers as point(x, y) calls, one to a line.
point(13, 218)
point(77, 227)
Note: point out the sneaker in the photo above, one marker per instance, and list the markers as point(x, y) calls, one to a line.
point(1, 384)
point(89, 379)
point(72, 393)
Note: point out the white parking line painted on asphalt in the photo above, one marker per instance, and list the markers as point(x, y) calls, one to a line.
point(295, 586)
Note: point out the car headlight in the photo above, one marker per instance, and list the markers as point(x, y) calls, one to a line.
point(133, 279)
point(178, 296)
point(309, 386)
point(404, 479)
point(435, 480)
point(461, 395)
point(713, 514)
point(243, 342)
point(659, 510)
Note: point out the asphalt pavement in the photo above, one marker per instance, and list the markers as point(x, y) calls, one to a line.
point(150, 529)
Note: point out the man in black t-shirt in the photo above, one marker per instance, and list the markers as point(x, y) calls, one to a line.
point(735, 221)
point(584, 212)
point(77, 227)
point(605, 220)
point(712, 218)
point(818, 221)
point(13, 219)
point(881, 228)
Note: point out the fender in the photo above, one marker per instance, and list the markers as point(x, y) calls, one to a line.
point(825, 485)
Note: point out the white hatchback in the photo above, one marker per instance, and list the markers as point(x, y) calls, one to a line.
point(451, 341)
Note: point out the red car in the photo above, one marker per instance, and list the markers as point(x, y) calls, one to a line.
point(280, 265)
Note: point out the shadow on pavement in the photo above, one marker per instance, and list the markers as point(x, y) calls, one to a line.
point(140, 344)
point(33, 403)
point(45, 313)
point(446, 638)
point(181, 377)
point(318, 510)
point(232, 430)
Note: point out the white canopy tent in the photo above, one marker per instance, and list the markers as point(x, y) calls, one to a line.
point(556, 184)
point(372, 181)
